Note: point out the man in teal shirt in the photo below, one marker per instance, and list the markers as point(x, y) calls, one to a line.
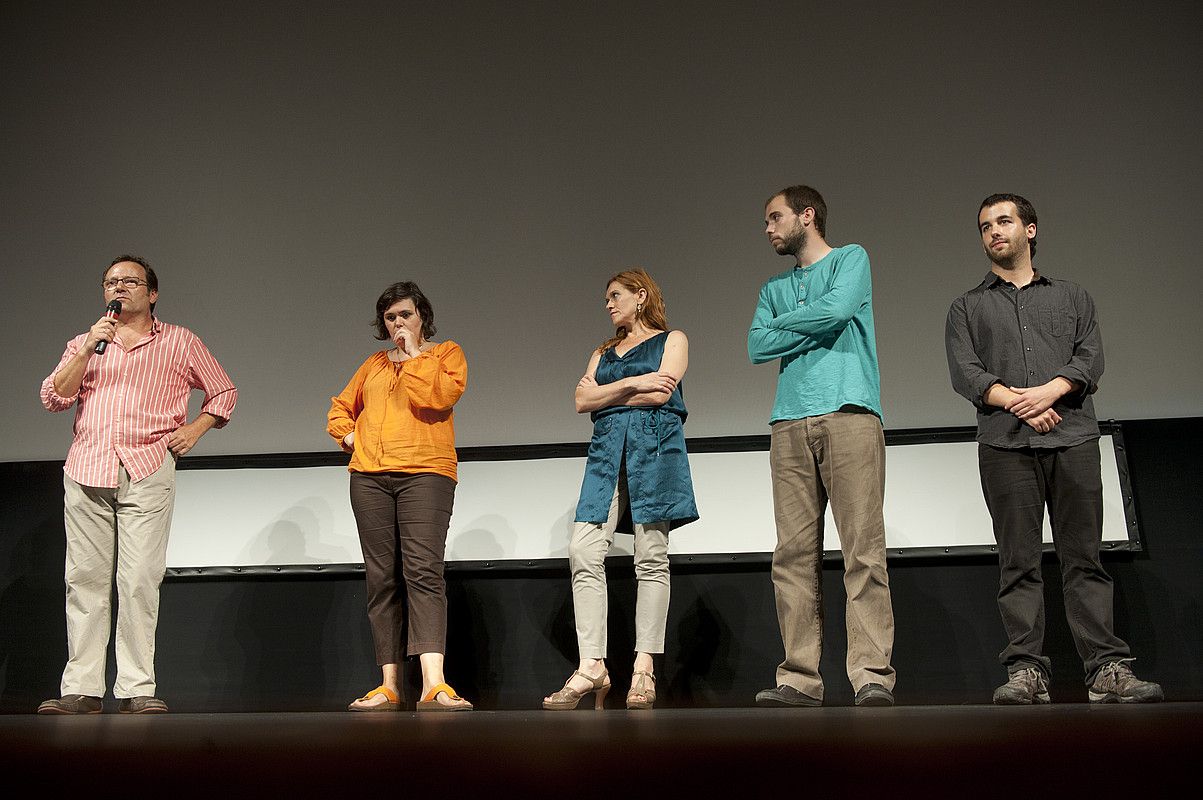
point(816, 320)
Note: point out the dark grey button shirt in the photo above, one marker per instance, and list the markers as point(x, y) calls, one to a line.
point(996, 333)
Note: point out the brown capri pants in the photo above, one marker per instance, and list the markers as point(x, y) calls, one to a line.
point(402, 519)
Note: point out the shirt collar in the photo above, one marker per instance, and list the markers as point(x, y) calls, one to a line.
point(156, 328)
point(993, 279)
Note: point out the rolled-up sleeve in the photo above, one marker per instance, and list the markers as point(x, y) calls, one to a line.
point(1085, 367)
point(206, 374)
point(969, 375)
point(52, 400)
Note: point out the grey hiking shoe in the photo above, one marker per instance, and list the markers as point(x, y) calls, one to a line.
point(1024, 687)
point(1115, 683)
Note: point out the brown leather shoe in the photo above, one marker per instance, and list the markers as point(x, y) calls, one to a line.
point(142, 705)
point(71, 704)
point(785, 696)
point(874, 694)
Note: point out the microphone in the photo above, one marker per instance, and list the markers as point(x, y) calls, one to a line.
point(111, 311)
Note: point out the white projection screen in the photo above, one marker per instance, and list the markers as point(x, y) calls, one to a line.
point(518, 513)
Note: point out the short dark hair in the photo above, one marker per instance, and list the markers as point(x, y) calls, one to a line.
point(152, 280)
point(404, 290)
point(799, 198)
point(1027, 214)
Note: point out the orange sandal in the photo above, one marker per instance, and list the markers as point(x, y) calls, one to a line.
point(431, 701)
point(393, 702)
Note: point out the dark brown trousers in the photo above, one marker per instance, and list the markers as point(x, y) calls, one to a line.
point(403, 520)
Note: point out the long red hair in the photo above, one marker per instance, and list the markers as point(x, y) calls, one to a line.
point(652, 313)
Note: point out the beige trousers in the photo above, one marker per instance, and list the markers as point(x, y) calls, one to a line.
point(587, 559)
point(123, 530)
point(838, 457)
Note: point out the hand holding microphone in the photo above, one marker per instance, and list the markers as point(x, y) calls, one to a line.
point(106, 325)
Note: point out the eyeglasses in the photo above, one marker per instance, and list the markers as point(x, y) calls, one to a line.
point(129, 283)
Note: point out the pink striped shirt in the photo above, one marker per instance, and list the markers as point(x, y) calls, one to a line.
point(130, 401)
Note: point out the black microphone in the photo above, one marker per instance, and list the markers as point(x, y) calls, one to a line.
point(111, 311)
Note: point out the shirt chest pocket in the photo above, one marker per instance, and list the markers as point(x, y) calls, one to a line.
point(1057, 322)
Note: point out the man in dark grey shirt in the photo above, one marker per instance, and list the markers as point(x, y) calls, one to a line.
point(1026, 351)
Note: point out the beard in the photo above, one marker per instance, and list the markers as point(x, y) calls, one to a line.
point(792, 243)
point(1007, 255)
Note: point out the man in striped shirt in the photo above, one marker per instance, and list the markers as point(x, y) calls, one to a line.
point(131, 410)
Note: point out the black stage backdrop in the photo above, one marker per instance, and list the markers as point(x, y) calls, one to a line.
point(302, 642)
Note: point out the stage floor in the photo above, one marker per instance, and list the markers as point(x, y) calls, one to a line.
point(1068, 750)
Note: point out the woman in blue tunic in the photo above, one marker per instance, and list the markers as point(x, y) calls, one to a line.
point(637, 463)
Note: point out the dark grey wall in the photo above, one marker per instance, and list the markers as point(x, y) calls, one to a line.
point(303, 643)
point(281, 163)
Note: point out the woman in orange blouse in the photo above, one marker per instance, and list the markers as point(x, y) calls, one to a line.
point(395, 419)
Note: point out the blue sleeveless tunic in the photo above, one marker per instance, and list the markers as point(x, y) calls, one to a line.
point(651, 441)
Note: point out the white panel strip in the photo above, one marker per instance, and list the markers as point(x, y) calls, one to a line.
point(523, 510)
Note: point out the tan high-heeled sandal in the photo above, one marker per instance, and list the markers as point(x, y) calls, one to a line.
point(567, 699)
point(641, 695)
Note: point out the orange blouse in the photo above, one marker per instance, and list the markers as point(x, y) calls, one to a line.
point(401, 413)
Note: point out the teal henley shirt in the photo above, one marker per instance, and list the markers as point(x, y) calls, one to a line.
point(818, 320)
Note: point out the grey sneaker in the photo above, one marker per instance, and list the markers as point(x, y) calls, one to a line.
point(1115, 683)
point(142, 705)
point(71, 704)
point(785, 697)
point(1023, 688)
point(874, 694)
